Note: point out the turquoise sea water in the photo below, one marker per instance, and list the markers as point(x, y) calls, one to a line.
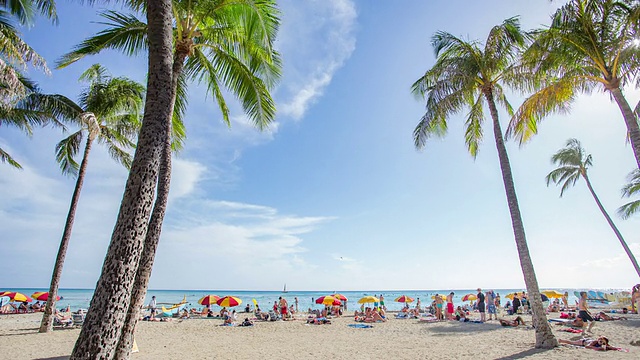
point(80, 298)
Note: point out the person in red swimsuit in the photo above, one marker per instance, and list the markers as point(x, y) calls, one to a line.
point(450, 306)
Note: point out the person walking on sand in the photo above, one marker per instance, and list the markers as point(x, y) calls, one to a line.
point(565, 301)
point(450, 309)
point(584, 313)
point(284, 307)
point(153, 306)
point(481, 305)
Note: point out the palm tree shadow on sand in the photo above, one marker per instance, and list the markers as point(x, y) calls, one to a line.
point(524, 354)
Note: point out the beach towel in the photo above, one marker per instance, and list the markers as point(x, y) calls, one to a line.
point(360, 326)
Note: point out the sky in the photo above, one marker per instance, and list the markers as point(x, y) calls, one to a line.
point(334, 195)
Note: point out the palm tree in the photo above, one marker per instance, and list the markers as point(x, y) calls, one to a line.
point(572, 164)
point(223, 43)
point(467, 75)
point(632, 188)
point(590, 44)
point(108, 111)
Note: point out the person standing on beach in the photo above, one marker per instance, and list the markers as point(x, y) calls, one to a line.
point(516, 303)
point(497, 301)
point(438, 300)
point(382, 302)
point(450, 306)
point(153, 306)
point(491, 306)
point(418, 304)
point(481, 305)
point(295, 299)
point(565, 301)
point(284, 307)
point(584, 313)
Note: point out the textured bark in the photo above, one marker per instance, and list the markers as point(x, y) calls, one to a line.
point(49, 311)
point(104, 321)
point(152, 239)
point(544, 336)
point(613, 226)
point(631, 120)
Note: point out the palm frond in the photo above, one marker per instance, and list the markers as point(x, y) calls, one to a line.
point(633, 185)
point(627, 210)
point(66, 150)
point(124, 32)
point(473, 126)
point(5, 157)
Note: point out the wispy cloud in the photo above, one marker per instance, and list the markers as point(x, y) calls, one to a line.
point(325, 37)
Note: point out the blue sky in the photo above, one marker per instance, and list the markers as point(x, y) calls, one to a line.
point(334, 196)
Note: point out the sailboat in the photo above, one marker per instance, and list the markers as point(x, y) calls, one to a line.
point(285, 288)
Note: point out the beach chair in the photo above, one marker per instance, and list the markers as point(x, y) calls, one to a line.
point(57, 322)
point(273, 316)
point(78, 319)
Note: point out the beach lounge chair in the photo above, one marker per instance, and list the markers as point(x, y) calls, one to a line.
point(78, 319)
point(59, 321)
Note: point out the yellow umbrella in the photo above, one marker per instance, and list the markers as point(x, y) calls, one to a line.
point(511, 296)
point(469, 297)
point(443, 297)
point(552, 294)
point(368, 299)
point(404, 299)
point(209, 300)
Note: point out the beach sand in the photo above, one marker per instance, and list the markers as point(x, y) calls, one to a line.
point(395, 339)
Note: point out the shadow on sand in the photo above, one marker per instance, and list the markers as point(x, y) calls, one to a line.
point(524, 354)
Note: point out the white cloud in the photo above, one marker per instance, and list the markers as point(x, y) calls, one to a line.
point(324, 37)
point(185, 176)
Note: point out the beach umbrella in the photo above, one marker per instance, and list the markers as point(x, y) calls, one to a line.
point(4, 292)
point(368, 299)
point(328, 300)
point(42, 296)
point(511, 296)
point(340, 297)
point(229, 301)
point(16, 296)
point(209, 300)
point(443, 297)
point(404, 299)
point(553, 294)
point(544, 297)
point(470, 297)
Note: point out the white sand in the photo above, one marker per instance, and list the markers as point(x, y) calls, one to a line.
point(395, 339)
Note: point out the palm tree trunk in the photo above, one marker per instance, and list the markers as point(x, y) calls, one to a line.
point(108, 308)
point(613, 226)
point(631, 120)
point(544, 336)
point(152, 239)
point(47, 318)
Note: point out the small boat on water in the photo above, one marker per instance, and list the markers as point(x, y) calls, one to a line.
point(285, 288)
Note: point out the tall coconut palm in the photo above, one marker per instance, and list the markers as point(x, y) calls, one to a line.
point(573, 163)
point(465, 74)
point(223, 43)
point(630, 189)
point(108, 112)
point(591, 44)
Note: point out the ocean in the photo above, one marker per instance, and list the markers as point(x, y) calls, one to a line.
point(80, 298)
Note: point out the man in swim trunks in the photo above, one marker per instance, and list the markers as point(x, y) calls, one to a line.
point(481, 307)
point(490, 305)
point(284, 307)
point(584, 313)
point(450, 306)
point(382, 302)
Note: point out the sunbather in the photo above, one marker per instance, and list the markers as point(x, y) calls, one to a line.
point(601, 343)
point(601, 316)
point(515, 322)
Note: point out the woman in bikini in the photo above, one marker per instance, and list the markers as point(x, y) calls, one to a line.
point(601, 343)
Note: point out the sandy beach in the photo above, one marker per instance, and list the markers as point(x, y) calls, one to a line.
point(399, 339)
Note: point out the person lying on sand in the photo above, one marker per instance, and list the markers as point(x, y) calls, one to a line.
point(601, 316)
point(515, 322)
point(601, 343)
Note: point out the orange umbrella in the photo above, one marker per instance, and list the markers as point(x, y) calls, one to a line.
point(229, 301)
point(340, 297)
point(16, 296)
point(328, 300)
point(209, 300)
point(42, 296)
point(404, 299)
